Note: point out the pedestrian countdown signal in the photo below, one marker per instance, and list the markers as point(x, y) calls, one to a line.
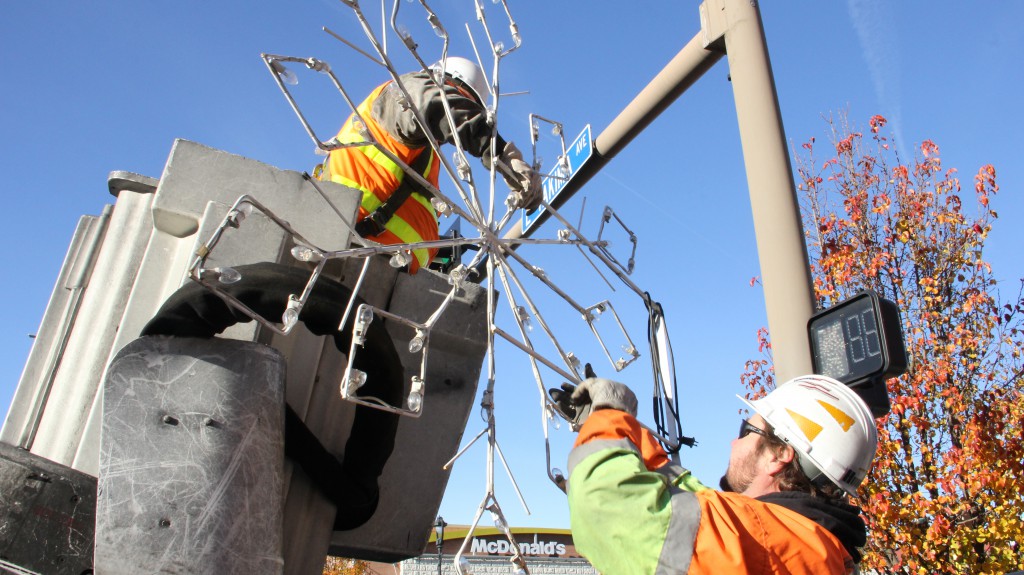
point(859, 342)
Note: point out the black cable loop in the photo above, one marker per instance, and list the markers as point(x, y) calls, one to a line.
point(654, 312)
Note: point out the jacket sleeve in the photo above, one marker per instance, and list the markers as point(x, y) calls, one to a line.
point(617, 503)
point(392, 111)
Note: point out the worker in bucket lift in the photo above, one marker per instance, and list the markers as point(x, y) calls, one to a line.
point(782, 508)
point(395, 208)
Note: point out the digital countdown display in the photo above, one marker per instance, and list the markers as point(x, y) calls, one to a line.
point(859, 342)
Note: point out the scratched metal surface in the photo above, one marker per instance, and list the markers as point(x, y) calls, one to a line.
point(191, 459)
point(47, 513)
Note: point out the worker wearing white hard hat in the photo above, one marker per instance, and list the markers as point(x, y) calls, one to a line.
point(465, 71)
point(783, 506)
point(396, 209)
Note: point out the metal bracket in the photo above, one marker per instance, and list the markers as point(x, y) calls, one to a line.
point(353, 379)
point(608, 215)
point(713, 25)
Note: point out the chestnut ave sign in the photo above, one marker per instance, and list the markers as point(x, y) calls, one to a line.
point(575, 156)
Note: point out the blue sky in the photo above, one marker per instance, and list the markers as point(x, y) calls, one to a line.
point(93, 88)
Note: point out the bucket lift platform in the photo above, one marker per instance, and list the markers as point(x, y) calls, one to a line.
point(120, 269)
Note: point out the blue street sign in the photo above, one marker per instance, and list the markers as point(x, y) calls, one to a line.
point(577, 154)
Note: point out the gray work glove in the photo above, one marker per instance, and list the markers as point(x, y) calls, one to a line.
point(605, 394)
point(569, 411)
point(574, 414)
point(576, 402)
point(525, 183)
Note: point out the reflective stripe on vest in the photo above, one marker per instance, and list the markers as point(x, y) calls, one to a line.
point(379, 184)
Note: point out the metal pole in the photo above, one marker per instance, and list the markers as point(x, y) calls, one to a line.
point(734, 26)
point(679, 74)
point(439, 526)
point(785, 272)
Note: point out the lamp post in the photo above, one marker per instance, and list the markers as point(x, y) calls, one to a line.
point(439, 526)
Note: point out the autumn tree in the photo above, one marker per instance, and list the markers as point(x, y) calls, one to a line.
point(344, 566)
point(944, 495)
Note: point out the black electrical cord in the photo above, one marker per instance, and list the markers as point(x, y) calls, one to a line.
point(656, 314)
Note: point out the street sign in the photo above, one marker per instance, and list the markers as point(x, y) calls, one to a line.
point(577, 154)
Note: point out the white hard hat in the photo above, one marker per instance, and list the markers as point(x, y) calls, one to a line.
point(827, 424)
point(468, 73)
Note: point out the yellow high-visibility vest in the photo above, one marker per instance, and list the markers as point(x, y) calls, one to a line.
point(370, 171)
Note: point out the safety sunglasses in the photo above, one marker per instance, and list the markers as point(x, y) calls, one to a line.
point(746, 428)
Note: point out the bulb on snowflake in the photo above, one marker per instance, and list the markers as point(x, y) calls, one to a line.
point(440, 206)
point(286, 75)
point(364, 316)
point(226, 275)
point(354, 381)
point(415, 402)
point(416, 343)
point(436, 25)
point(462, 167)
point(555, 420)
point(457, 276)
point(306, 254)
point(499, 521)
point(289, 318)
point(400, 259)
point(524, 316)
point(464, 566)
point(573, 361)
point(236, 216)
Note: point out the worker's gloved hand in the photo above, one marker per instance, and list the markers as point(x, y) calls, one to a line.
point(572, 413)
point(525, 183)
point(604, 394)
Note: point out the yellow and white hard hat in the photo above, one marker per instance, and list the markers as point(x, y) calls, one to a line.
point(468, 73)
point(827, 424)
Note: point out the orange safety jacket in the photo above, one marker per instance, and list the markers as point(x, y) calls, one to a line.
point(370, 171)
point(634, 513)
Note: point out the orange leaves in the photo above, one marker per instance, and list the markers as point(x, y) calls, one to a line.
point(985, 185)
point(845, 145)
point(876, 122)
point(881, 203)
point(986, 177)
point(944, 492)
point(341, 566)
